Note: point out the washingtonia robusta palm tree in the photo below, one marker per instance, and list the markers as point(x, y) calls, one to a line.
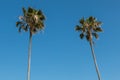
point(32, 21)
point(89, 28)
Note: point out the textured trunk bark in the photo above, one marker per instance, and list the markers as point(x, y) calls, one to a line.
point(95, 62)
point(29, 56)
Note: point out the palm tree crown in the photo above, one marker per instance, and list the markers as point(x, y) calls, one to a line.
point(32, 20)
point(89, 28)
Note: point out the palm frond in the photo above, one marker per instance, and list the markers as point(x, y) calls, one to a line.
point(19, 30)
point(99, 23)
point(98, 29)
point(24, 11)
point(26, 28)
point(42, 17)
point(82, 21)
point(82, 35)
point(95, 35)
point(18, 23)
point(92, 19)
point(87, 37)
point(40, 14)
point(78, 28)
point(30, 10)
point(34, 30)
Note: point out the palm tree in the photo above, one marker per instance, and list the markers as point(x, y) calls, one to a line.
point(88, 28)
point(32, 21)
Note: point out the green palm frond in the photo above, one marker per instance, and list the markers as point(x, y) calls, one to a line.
point(42, 17)
point(26, 28)
point(88, 37)
point(98, 29)
point(82, 21)
point(78, 28)
point(24, 11)
point(82, 35)
point(92, 19)
point(95, 35)
point(18, 23)
point(30, 10)
point(20, 28)
point(98, 23)
point(40, 14)
point(23, 27)
point(34, 31)
point(39, 26)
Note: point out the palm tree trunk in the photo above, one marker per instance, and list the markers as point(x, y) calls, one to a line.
point(29, 56)
point(95, 62)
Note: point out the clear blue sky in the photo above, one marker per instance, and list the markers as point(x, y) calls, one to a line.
point(58, 53)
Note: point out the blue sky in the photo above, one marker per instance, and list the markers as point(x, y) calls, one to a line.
point(58, 53)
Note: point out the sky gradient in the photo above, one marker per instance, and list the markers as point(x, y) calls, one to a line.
point(58, 53)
